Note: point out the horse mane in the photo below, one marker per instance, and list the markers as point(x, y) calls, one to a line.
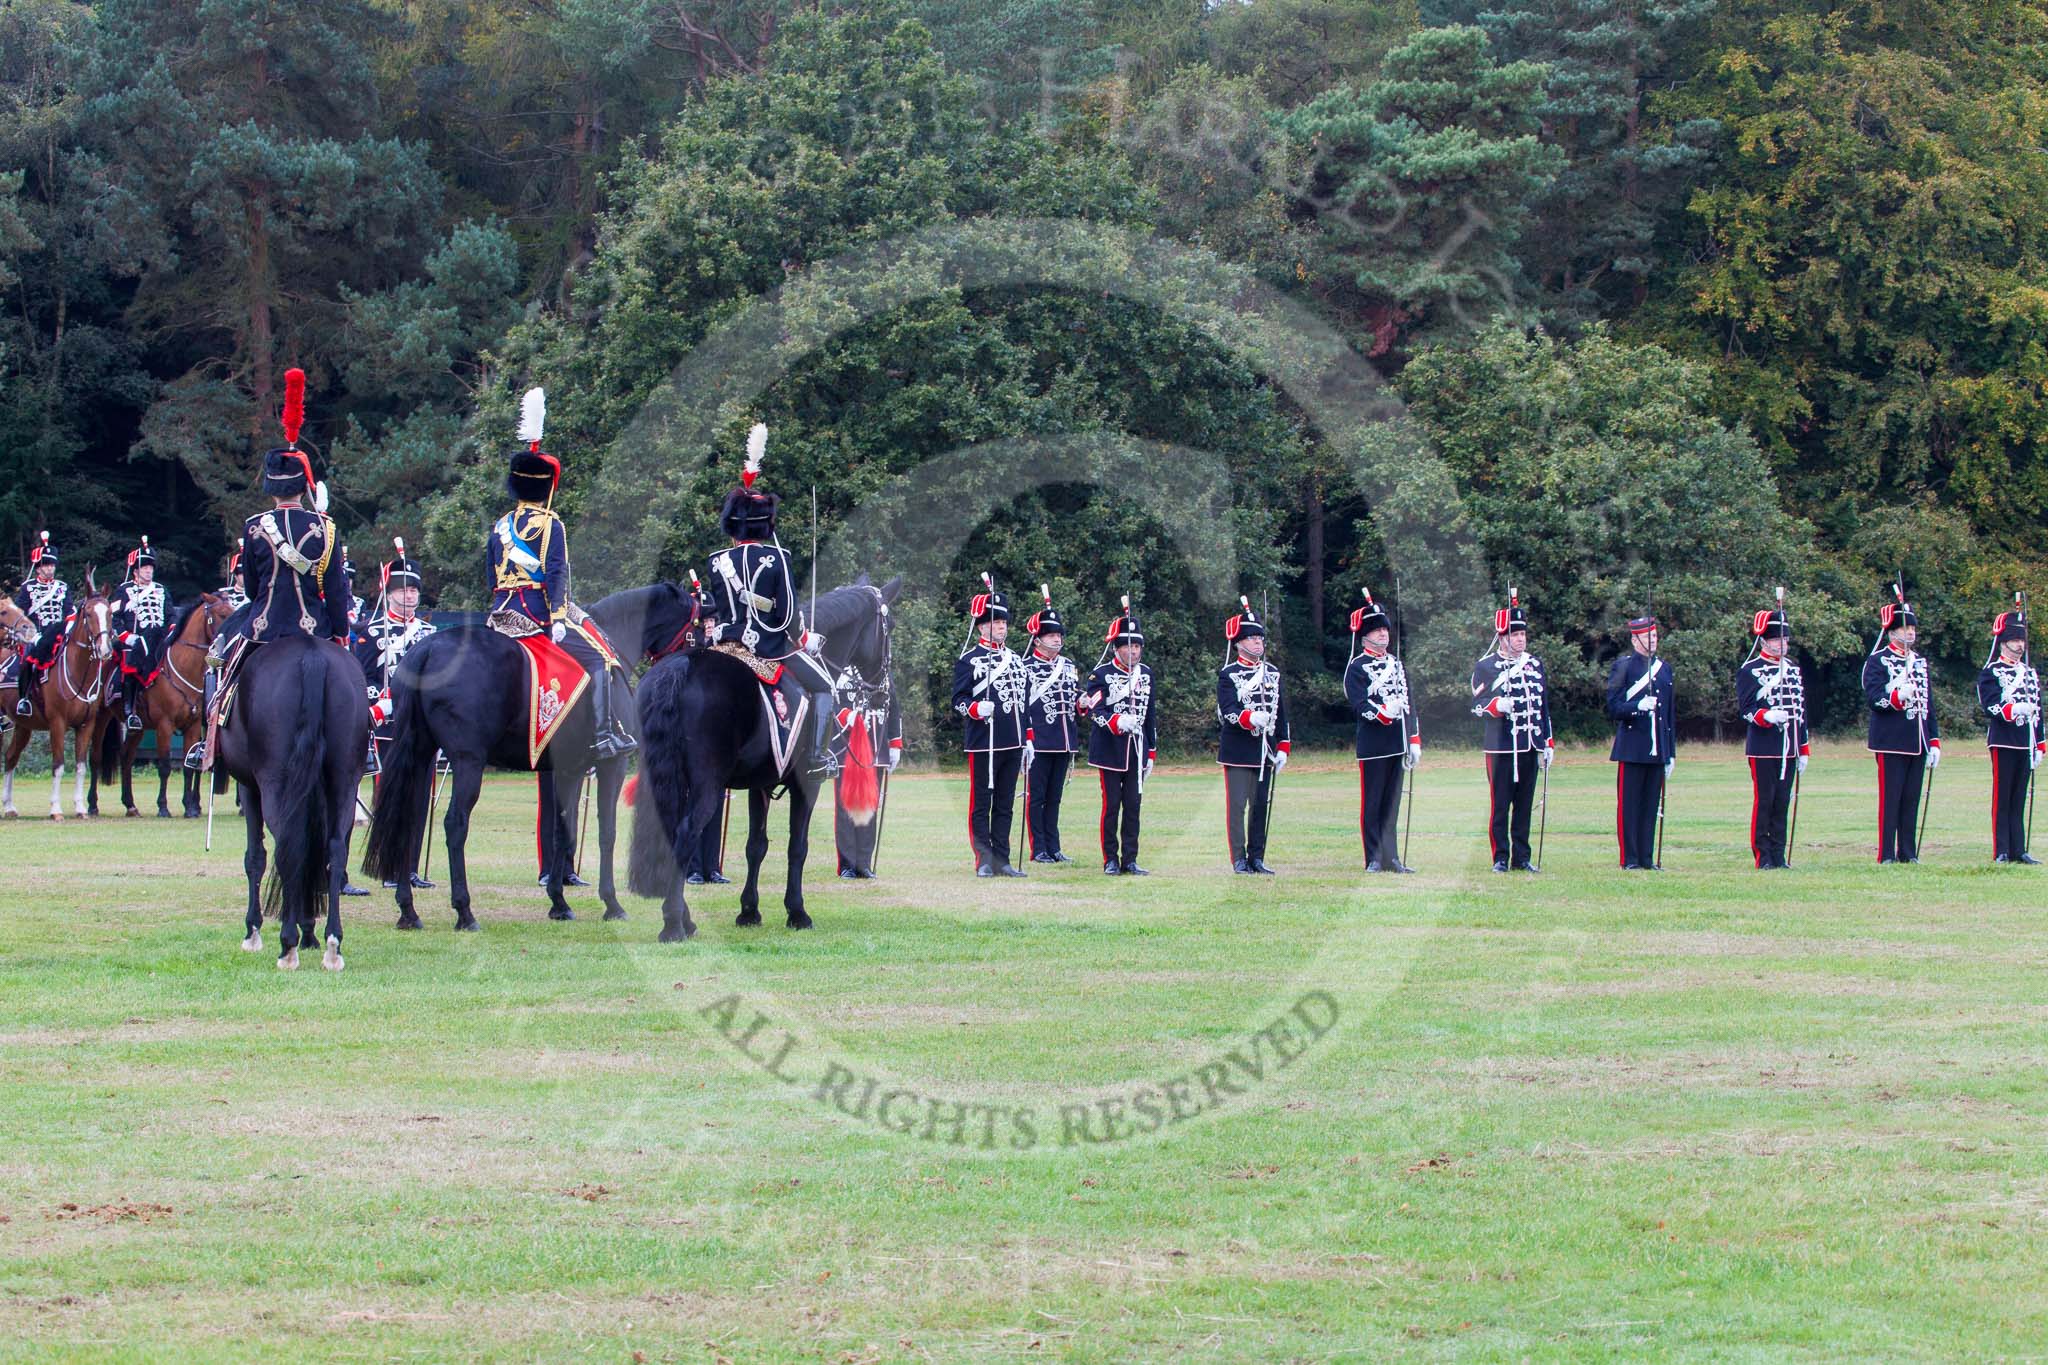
point(844, 606)
point(184, 617)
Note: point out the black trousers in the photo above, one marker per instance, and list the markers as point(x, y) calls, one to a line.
point(991, 809)
point(1379, 808)
point(1770, 808)
point(854, 843)
point(1898, 806)
point(1638, 788)
point(544, 838)
point(1118, 830)
point(1044, 784)
point(1512, 782)
point(1245, 794)
point(2011, 771)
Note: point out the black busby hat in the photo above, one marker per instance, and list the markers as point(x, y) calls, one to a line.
point(42, 552)
point(2010, 626)
point(1371, 616)
point(1044, 621)
point(1892, 615)
point(1642, 625)
point(1125, 630)
point(287, 473)
point(1772, 624)
point(1510, 617)
point(1245, 624)
point(141, 555)
point(984, 607)
point(401, 572)
point(749, 514)
point(531, 474)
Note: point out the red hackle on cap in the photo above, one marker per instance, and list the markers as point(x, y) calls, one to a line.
point(1887, 615)
point(977, 604)
point(294, 407)
point(1232, 626)
point(1500, 622)
point(1763, 619)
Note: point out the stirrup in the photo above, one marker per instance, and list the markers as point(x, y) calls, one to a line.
point(134, 723)
point(195, 756)
point(25, 706)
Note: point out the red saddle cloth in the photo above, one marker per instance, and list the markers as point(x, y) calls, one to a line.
point(554, 680)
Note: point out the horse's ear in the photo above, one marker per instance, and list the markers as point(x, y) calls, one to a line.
point(891, 588)
point(862, 581)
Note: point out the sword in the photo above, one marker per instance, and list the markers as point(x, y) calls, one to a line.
point(583, 820)
point(433, 800)
point(881, 817)
point(1661, 793)
point(1542, 814)
point(1792, 834)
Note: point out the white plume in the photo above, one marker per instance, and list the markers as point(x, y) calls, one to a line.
point(399, 541)
point(320, 496)
point(533, 414)
point(757, 446)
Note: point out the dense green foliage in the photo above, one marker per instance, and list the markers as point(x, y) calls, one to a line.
point(1692, 298)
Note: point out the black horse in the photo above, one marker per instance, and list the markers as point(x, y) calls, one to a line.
point(293, 740)
point(464, 692)
point(704, 730)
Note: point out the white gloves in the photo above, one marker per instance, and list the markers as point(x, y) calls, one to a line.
point(895, 757)
point(1777, 715)
point(1799, 764)
point(1029, 753)
point(1411, 756)
point(557, 631)
point(1648, 702)
point(2035, 760)
point(1395, 708)
point(814, 643)
point(1262, 721)
point(1907, 695)
point(2024, 710)
point(1933, 757)
point(1147, 777)
point(1668, 764)
point(1545, 756)
point(1125, 724)
point(1280, 759)
point(981, 710)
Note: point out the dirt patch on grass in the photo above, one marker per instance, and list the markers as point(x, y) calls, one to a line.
point(126, 1211)
point(1679, 981)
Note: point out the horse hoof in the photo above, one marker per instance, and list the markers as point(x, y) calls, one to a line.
point(288, 961)
point(58, 816)
point(253, 942)
point(799, 920)
point(134, 814)
point(673, 935)
point(408, 922)
point(10, 814)
point(162, 814)
point(747, 918)
point(465, 926)
point(563, 913)
point(331, 959)
point(616, 912)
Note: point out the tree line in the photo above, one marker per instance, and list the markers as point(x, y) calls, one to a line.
point(1685, 298)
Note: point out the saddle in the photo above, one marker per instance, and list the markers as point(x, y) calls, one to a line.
point(785, 722)
point(554, 682)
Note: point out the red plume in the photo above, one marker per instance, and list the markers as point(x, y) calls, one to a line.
point(859, 791)
point(294, 406)
point(631, 791)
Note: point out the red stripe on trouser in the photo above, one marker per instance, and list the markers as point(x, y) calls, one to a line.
point(1492, 800)
point(1996, 828)
point(1756, 799)
point(1880, 806)
point(1620, 841)
point(1228, 815)
point(972, 851)
point(1102, 825)
point(1364, 848)
point(1029, 841)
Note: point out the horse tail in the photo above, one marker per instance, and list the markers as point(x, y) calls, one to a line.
point(406, 783)
point(661, 799)
point(106, 759)
point(302, 820)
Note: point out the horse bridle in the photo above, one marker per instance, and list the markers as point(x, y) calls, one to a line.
point(865, 692)
point(681, 637)
point(102, 639)
point(209, 629)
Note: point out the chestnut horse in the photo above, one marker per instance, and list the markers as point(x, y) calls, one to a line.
point(68, 704)
point(173, 704)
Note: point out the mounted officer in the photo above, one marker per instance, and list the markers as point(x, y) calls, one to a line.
point(990, 689)
point(1512, 697)
point(1252, 738)
point(46, 600)
point(1640, 701)
point(528, 554)
point(1052, 722)
point(141, 618)
point(1771, 695)
point(1376, 686)
point(2009, 691)
point(288, 567)
point(753, 596)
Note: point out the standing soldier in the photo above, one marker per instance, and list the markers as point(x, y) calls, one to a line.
point(232, 588)
point(1905, 734)
point(528, 555)
point(1639, 701)
point(1253, 738)
point(988, 694)
point(141, 617)
point(1052, 724)
point(1376, 685)
point(1771, 695)
point(384, 638)
point(2009, 690)
point(1124, 741)
point(874, 706)
point(45, 600)
point(1510, 694)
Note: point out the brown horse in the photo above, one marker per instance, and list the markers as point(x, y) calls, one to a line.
point(17, 633)
point(172, 705)
point(69, 703)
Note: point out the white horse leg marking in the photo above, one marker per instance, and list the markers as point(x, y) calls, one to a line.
point(57, 792)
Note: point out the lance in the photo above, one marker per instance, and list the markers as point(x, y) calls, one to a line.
point(1408, 793)
point(988, 581)
point(583, 819)
point(1137, 740)
point(2033, 722)
point(433, 802)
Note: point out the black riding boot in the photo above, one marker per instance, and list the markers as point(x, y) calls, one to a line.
point(129, 688)
point(31, 688)
point(195, 754)
point(611, 738)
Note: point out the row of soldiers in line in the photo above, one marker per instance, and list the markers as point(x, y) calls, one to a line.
point(1027, 712)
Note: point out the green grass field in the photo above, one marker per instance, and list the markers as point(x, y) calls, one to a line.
point(1712, 1113)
